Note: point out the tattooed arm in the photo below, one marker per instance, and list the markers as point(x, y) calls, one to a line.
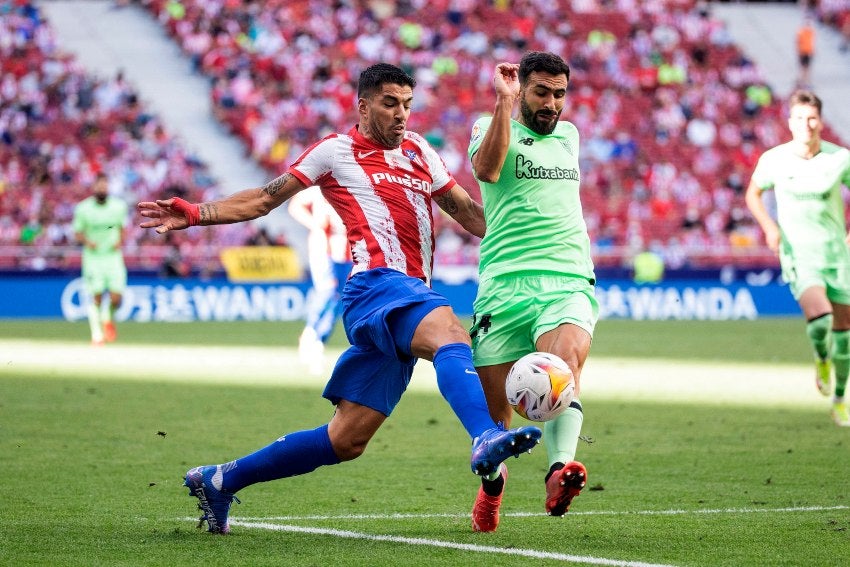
point(460, 206)
point(176, 214)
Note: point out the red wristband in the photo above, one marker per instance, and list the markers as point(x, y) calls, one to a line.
point(191, 211)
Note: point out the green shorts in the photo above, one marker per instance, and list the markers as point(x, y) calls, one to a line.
point(512, 311)
point(800, 277)
point(104, 274)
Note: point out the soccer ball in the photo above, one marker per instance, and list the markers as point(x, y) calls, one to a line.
point(540, 386)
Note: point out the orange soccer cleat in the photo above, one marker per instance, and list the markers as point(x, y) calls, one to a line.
point(563, 486)
point(485, 512)
point(109, 332)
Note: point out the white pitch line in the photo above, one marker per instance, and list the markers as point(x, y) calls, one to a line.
point(448, 545)
point(677, 512)
point(265, 524)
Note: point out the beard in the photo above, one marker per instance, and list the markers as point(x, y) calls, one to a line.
point(385, 135)
point(529, 118)
point(101, 199)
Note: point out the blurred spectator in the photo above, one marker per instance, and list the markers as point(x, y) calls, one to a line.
point(59, 128)
point(805, 51)
point(30, 231)
point(261, 237)
point(647, 267)
point(701, 132)
point(173, 265)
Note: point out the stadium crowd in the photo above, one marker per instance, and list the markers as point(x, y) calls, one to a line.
point(672, 114)
point(59, 127)
point(836, 14)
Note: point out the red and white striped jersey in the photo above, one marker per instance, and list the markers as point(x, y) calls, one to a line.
point(326, 236)
point(382, 195)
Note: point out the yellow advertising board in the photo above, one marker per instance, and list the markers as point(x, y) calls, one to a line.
point(261, 264)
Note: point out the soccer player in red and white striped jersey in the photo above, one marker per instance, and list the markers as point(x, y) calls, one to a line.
point(384, 196)
point(380, 179)
point(329, 260)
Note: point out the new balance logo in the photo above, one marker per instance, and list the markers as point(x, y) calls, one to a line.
point(361, 155)
point(526, 141)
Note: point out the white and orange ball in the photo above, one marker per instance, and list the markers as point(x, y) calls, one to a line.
point(540, 386)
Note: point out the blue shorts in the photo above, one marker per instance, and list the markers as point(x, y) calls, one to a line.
point(381, 310)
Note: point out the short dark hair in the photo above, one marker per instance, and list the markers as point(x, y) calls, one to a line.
point(807, 98)
point(380, 74)
point(537, 61)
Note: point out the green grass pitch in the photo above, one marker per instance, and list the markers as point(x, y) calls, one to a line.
point(92, 466)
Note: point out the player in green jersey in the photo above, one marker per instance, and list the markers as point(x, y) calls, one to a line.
point(536, 278)
point(810, 237)
point(99, 223)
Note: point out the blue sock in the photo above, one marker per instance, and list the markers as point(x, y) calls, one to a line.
point(293, 454)
point(459, 384)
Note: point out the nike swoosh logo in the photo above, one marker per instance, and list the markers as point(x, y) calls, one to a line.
point(361, 155)
point(468, 371)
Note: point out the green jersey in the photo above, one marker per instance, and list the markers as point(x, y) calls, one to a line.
point(809, 205)
point(533, 213)
point(101, 224)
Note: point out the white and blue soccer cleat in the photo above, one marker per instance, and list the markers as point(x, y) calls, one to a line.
point(205, 484)
point(495, 445)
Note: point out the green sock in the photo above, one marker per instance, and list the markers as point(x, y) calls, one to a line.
point(841, 360)
point(819, 331)
point(493, 486)
point(94, 322)
point(493, 475)
point(561, 434)
point(108, 313)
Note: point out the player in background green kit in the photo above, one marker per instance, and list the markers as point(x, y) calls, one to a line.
point(99, 223)
point(536, 278)
point(810, 236)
